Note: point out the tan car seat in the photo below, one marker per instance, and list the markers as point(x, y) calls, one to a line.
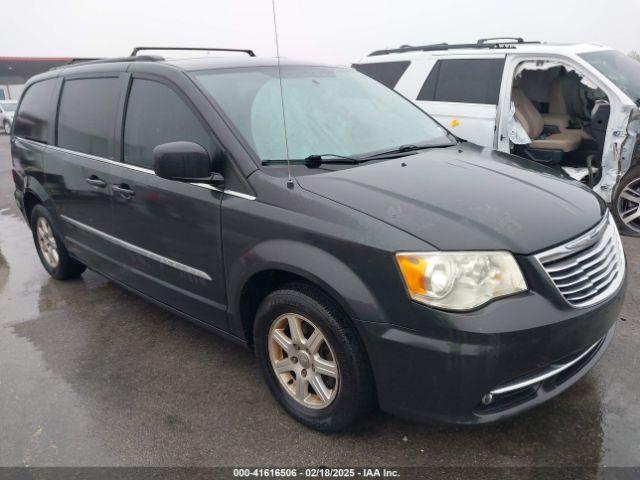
point(564, 105)
point(564, 96)
point(533, 123)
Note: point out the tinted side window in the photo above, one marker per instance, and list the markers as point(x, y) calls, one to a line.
point(464, 81)
point(87, 116)
point(387, 73)
point(155, 115)
point(32, 120)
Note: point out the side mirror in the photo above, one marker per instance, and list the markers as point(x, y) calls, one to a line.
point(184, 161)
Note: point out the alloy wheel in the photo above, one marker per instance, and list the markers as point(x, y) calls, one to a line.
point(303, 361)
point(628, 205)
point(7, 128)
point(47, 242)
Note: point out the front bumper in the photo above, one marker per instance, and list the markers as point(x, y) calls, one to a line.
point(443, 375)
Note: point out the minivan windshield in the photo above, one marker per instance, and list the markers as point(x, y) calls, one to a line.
point(328, 111)
point(622, 70)
point(9, 106)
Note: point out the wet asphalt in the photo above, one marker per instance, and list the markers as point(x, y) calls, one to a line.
point(91, 375)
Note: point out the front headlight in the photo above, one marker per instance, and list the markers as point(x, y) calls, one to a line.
point(460, 280)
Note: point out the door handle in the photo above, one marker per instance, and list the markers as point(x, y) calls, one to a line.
point(96, 182)
point(124, 190)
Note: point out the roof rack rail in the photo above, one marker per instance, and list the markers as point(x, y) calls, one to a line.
point(134, 57)
point(202, 49)
point(489, 43)
point(485, 41)
point(139, 58)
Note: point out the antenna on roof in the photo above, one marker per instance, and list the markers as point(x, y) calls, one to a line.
point(284, 119)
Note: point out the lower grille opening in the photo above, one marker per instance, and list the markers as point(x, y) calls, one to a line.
point(507, 400)
point(526, 388)
point(576, 367)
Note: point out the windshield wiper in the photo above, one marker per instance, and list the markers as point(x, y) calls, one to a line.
point(406, 149)
point(314, 161)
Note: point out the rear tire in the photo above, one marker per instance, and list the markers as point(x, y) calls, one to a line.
point(325, 355)
point(626, 203)
point(6, 126)
point(51, 249)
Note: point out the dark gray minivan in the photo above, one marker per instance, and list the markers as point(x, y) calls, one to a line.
point(386, 263)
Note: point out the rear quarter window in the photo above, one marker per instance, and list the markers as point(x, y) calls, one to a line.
point(32, 120)
point(87, 116)
point(464, 81)
point(387, 73)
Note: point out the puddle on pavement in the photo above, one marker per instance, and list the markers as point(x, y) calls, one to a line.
point(39, 410)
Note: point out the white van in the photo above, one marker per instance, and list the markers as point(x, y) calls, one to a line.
point(573, 107)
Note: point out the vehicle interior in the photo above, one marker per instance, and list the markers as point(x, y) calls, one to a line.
point(564, 116)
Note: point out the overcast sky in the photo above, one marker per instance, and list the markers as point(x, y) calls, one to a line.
point(337, 31)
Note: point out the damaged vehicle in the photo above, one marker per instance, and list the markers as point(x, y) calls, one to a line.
point(571, 107)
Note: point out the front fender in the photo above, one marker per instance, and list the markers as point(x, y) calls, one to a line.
point(311, 263)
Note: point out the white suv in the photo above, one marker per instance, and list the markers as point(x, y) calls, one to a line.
point(573, 107)
point(7, 109)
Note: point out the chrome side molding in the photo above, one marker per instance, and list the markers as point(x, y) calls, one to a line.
point(139, 250)
point(134, 167)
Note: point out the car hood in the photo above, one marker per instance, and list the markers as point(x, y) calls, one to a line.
point(466, 197)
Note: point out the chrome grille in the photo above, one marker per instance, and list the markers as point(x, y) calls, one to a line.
point(588, 269)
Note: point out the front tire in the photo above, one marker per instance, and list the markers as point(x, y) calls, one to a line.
point(626, 204)
point(6, 126)
point(51, 250)
point(312, 359)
